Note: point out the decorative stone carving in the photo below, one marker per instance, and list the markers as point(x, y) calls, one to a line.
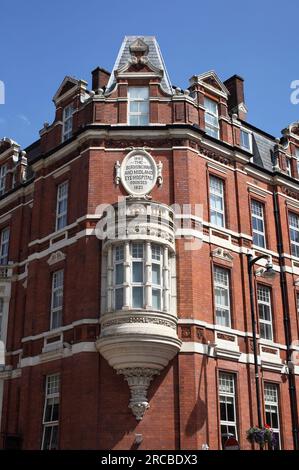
point(139, 46)
point(290, 193)
point(215, 156)
point(138, 380)
point(226, 337)
point(138, 173)
point(223, 254)
point(56, 257)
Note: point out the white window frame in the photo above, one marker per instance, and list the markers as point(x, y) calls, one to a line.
point(4, 246)
point(3, 173)
point(210, 115)
point(52, 396)
point(67, 122)
point(57, 290)
point(61, 199)
point(295, 230)
point(215, 212)
point(261, 217)
point(272, 406)
point(244, 147)
point(132, 99)
point(265, 302)
point(227, 395)
point(225, 318)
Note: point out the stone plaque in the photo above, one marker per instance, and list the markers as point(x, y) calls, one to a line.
point(138, 173)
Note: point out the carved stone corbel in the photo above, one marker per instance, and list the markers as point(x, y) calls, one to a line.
point(138, 380)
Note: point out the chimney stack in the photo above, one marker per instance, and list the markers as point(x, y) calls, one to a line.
point(100, 78)
point(236, 101)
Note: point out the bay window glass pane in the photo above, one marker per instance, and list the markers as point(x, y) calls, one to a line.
point(119, 298)
point(119, 273)
point(156, 274)
point(156, 252)
point(137, 271)
point(156, 298)
point(138, 297)
point(137, 250)
point(119, 253)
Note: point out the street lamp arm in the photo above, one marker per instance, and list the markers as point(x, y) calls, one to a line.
point(252, 261)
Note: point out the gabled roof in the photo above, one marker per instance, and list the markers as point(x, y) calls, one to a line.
point(211, 81)
point(149, 45)
point(68, 83)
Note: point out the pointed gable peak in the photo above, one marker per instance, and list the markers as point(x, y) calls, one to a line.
point(67, 84)
point(148, 48)
point(211, 81)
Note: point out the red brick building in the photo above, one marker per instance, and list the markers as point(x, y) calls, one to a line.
point(148, 331)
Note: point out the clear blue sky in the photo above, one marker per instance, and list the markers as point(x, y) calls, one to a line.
point(42, 41)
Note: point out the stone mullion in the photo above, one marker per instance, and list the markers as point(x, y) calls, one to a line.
point(148, 276)
point(165, 279)
point(127, 276)
point(110, 287)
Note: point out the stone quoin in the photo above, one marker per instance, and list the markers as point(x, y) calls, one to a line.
point(116, 322)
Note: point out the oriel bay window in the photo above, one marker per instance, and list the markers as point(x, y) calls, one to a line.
point(138, 276)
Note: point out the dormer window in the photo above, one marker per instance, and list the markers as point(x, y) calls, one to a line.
point(67, 130)
point(138, 106)
point(246, 140)
point(3, 171)
point(211, 118)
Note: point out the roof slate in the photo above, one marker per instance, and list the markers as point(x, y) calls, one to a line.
point(154, 55)
point(263, 150)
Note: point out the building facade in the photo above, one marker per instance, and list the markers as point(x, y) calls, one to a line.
point(124, 291)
